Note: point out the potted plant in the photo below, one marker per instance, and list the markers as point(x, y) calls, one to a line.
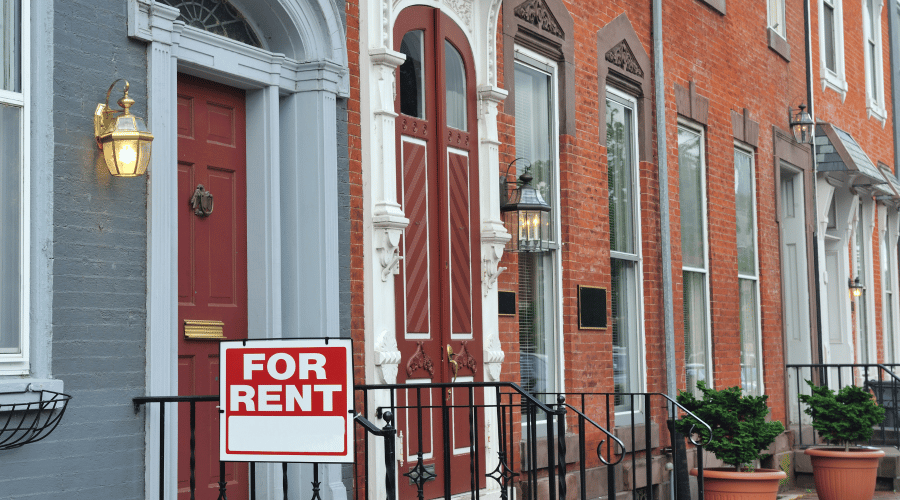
point(850, 415)
point(739, 432)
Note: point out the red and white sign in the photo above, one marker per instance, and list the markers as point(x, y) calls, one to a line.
point(286, 400)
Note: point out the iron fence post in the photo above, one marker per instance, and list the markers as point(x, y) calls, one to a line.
point(390, 460)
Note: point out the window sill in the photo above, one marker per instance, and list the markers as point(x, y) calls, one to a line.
point(877, 112)
point(835, 83)
point(19, 385)
point(717, 5)
point(779, 45)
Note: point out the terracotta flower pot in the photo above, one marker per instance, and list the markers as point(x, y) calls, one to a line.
point(728, 484)
point(845, 475)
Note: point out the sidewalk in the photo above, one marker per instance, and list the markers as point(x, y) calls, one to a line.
point(811, 495)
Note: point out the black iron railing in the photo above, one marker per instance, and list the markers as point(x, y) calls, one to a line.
point(387, 432)
point(529, 450)
point(445, 449)
point(879, 379)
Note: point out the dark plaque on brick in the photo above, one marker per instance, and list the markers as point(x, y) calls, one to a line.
point(506, 302)
point(591, 307)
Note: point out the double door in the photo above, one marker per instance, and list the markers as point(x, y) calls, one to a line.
point(438, 289)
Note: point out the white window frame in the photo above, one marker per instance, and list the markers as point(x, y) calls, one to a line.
point(874, 103)
point(638, 258)
point(834, 80)
point(699, 129)
point(888, 245)
point(779, 28)
point(740, 147)
point(552, 68)
point(17, 363)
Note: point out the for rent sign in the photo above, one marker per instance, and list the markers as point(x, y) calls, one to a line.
point(286, 400)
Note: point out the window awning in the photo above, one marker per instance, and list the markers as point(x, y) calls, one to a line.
point(843, 159)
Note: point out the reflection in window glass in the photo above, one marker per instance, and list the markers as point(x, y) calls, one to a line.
point(693, 255)
point(455, 73)
point(751, 368)
point(10, 46)
point(412, 77)
point(10, 189)
point(537, 298)
point(533, 124)
point(624, 249)
point(830, 55)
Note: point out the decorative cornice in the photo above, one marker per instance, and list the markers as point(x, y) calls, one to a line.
point(537, 13)
point(463, 9)
point(622, 56)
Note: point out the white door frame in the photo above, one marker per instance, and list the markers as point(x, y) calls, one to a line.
point(291, 166)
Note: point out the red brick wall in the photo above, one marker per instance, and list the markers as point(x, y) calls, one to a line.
point(730, 63)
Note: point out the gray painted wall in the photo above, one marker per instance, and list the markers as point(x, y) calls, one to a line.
point(99, 275)
point(99, 272)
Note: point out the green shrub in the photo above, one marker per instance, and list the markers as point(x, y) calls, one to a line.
point(738, 422)
point(848, 416)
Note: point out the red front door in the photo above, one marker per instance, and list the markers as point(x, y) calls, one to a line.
point(438, 289)
point(212, 267)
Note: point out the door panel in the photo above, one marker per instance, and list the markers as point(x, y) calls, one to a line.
point(212, 266)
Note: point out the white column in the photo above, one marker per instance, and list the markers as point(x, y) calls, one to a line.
point(263, 215)
point(162, 239)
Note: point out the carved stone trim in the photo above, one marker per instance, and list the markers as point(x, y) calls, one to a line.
point(622, 56)
point(491, 253)
point(464, 358)
point(537, 13)
point(493, 358)
point(419, 360)
point(387, 356)
point(463, 9)
point(691, 104)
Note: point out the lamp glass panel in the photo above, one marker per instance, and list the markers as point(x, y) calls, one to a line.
point(10, 226)
point(11, 45)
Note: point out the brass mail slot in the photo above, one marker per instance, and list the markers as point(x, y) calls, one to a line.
point(203, 329)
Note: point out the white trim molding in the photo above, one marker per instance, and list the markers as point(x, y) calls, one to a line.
point(835, 80)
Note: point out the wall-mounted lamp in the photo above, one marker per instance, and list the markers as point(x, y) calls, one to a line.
point(525, 214)
point(122, 136)
point(856, 288)
point(801, 125)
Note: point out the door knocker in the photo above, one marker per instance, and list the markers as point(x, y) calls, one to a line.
point(202, 201)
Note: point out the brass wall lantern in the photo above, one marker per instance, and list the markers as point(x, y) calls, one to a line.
point(856, 288)
point(122, 136)
point(802, 125)
point(526, 215)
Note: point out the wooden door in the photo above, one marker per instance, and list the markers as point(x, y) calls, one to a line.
point(212, 267)
point(438, 292)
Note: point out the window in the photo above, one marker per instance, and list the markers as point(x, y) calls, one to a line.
point(695, 272)
point(776, 17)
point(873, 58)
point(831, 46)
point(14, 187)
point(536, 144)
point(625, 246)
point(748, 272)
